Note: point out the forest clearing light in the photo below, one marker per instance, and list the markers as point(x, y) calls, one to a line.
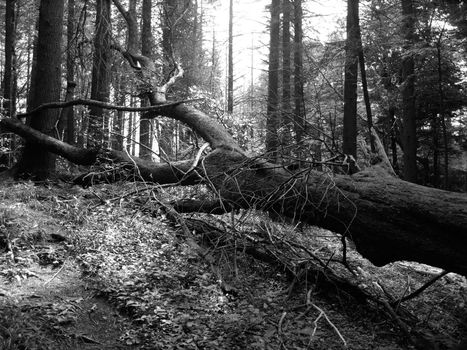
point(251, 38)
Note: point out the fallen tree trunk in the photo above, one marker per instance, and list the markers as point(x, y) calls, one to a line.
point(387, 218)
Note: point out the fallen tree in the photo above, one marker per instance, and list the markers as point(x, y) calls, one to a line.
point(387, 218)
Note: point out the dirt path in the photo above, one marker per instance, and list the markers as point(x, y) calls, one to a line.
point(57, 303)
point(44, 302)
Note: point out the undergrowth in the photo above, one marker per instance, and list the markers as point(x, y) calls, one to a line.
point(173, 294)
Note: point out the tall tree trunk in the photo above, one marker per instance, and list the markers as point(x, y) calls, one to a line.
point(100, 87)
point(33, 74)
point(442, 115)
point(9, 81)
point(366, 95)
point(286, 72)
point(392, 119)
point(145, 137)
point(446, 152)
point(273, 116)
point(230, 61)
point(166, 126)
point(66, 125)
point(350, 80)
point(299, 108)
point(435, 148)
point(129, 137)
point(35, 160)
point(409, 135)
point(119, 123)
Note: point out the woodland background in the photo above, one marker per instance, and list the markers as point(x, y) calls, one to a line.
point(186, 244)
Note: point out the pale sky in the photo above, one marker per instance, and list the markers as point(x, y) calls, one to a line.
point(250, 30)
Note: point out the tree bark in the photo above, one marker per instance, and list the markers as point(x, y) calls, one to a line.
point(286, 73)
point(119, 122)
point(230, 62)
point(9, 82)
point(145, 137)
point(299, 108)
point(350, 81)
point(100, 87)
point(366, 95)
point(70, 73)
point(36, 161)
point(442, 115)
point(409, 134)
point(273, 116)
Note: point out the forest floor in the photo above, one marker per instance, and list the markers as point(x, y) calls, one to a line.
point(105, 268)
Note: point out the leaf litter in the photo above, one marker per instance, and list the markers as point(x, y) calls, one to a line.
point(95, 269)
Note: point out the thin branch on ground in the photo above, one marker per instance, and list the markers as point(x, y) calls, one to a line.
point(56, 273)
point(421, 289)
point(321, 314)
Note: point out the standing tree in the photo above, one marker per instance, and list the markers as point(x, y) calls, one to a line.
point(100, 86)
point(9, 81)
point(350, 80)
point(409, 136)
point(273, 116)
point(67, 119)
point(299, 109)
point(230, 63)
point(145, 137)
point(366, 95)
point(286, 72)
point(37, 161)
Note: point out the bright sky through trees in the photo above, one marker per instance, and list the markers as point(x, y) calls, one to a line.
point(250, 31)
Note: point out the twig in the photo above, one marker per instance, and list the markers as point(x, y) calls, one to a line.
point(56, 273)
point(88, 340)
point(421, 289)
point(279, 325)
point(197, 158)
point(322, 314)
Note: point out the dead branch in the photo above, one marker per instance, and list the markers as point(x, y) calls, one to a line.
point(105, 105)
point(421, 289)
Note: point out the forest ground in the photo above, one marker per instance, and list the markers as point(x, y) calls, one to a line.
point(105, 268)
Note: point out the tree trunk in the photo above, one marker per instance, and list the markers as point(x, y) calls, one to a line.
point(435, 149)
point(446, 152)
point(70, 73)
point(409, 135)
point(299, 112)
point(273, 116)
point(9, 82)
point(230, 62)
point(100, 88)
point(286, 73)
point(350, 80)
point(442, 115)
point(392, 119)
point(145, 137)
point(165, 127)
point(36, 161)
point(366, 95)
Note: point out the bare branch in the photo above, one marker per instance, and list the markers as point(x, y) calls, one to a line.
point(178, 74)
point(104, 105)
